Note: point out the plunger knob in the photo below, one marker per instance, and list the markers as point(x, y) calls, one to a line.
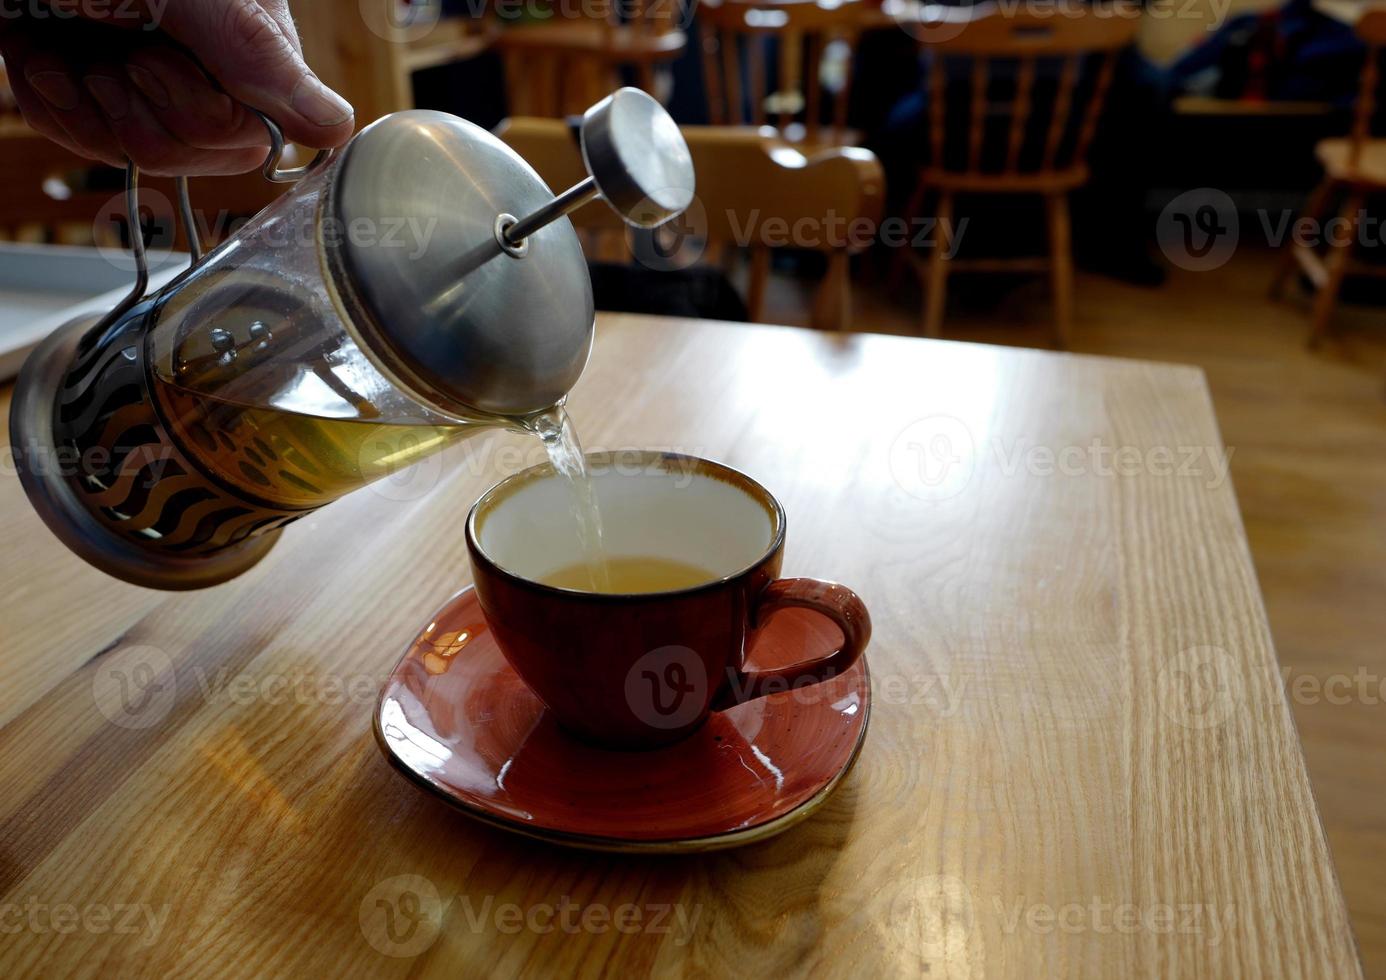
point(637, 161)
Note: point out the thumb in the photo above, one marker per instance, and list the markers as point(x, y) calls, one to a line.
point(253, 56)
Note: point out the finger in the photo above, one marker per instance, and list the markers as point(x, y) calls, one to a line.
point(42, 122)
point(13, 52)
point(51, 81)
point(189, 106)
point(248, 52)
point(279, 10)
point(144, 139)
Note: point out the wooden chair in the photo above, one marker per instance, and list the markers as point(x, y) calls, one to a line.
point(752, 189)
point(1354, 168)
point(735, 36)
point(563, 65)
point(1041, 142)
point(370, 52)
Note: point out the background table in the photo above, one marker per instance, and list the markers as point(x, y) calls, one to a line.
point(1079, 762)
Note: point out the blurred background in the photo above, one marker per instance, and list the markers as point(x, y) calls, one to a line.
point(1198, 181)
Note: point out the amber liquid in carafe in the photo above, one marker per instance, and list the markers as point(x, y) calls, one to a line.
point(255, 395)
point(290, 458)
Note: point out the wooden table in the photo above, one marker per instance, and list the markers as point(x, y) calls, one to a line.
point(1079, 762)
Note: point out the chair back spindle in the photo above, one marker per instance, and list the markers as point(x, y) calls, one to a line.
point(737, 38)
point(1371, 28)
point(1019, 68)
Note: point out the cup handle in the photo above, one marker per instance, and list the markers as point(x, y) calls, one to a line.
point(837, 602)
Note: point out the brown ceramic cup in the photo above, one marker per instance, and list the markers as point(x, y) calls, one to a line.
point(645, 669)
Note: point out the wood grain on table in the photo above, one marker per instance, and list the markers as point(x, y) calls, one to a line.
point(1079, 763)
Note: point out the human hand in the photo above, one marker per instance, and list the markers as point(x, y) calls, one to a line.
point(166, 83)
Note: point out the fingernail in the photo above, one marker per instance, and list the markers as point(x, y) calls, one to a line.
point(319, 104)
point(148, 83)
point(57, 89)
point(110, 95)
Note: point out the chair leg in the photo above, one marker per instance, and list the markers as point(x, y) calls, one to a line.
point(902, 254)
point(1336, 265)
point(759, 277)
point(1061, 266)
point(1313, 210)
point(936, 275)
point(645, 78)
point(832, 299)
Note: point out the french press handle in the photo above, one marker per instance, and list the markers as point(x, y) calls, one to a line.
point(271, 170)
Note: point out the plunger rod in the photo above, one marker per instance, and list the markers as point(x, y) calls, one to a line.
point(566, 203)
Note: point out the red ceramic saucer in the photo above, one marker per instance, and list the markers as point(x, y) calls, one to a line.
point(454, 718)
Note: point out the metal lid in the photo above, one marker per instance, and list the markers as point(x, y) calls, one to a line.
point(637, 158)
point(419, 200)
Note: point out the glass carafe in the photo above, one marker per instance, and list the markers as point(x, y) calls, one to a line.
point(254, 371)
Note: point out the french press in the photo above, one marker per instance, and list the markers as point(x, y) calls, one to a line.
point(416, 287)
